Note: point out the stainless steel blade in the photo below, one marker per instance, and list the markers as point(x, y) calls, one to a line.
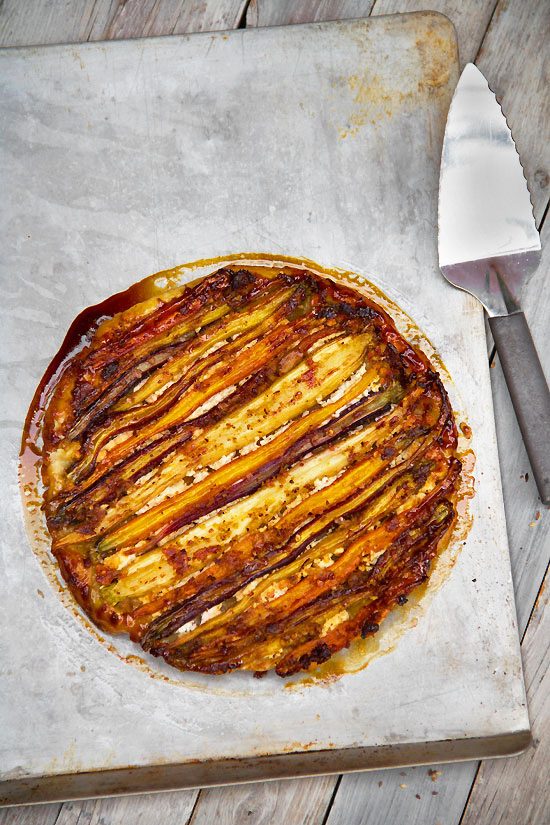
point(489, 245)
point(488, 241)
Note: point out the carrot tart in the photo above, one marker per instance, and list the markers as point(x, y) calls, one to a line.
point(248, 472)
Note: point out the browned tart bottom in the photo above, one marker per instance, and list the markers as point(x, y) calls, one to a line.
point(249, 472)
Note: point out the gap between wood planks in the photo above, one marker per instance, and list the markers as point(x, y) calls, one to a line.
point(332, 798)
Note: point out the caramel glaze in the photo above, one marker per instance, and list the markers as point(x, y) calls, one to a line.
point(139, 414)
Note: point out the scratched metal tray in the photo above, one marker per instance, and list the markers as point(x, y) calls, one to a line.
point(122, 159)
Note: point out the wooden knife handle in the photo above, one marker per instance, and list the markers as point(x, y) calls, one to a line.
point(529, 392)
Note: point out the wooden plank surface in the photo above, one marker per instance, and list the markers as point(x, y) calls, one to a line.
point(514, 57)
point(48, 21)
point(145, 809)
point(285, 12)
point(411, 796)
point(526, 779)
point(509, 39)
point(28, 815)
point(295, 800)
point(147, 18)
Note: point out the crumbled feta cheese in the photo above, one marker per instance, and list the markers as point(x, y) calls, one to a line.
point(62, 458)
point(322, 482)
point(273, 592)
point(225, 459)
point(334, 621)
point(340, 391)
point(215, 399)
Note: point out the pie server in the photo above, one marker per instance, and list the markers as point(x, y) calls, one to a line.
point(489, 245)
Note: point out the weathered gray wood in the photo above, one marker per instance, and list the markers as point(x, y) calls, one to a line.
point(411, 796)
point(284, 12)
point(146, 18)
point(515, 42)
point(50, 21)
point(166, 808)
point(514, 59)
point(75, 21)
point(470, 19)
point(42, 815)
point(510, 791)
point(302, 801)
point(527, 519)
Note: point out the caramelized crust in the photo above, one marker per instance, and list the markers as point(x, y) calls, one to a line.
point(248, 473)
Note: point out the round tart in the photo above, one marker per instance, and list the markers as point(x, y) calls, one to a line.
point(249, 472)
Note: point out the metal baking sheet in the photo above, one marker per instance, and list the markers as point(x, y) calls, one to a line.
point(122, 159)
